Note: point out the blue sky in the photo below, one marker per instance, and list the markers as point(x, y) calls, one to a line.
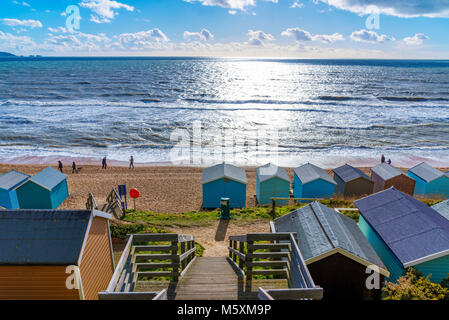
point(265, 28)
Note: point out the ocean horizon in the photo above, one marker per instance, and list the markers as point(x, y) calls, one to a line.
point(253, 111)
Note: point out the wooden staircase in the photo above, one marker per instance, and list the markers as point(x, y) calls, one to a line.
point(113, 204)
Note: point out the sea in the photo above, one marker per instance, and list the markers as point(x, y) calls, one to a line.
point(200, 111)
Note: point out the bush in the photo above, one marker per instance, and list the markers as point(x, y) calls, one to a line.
point(414, 286)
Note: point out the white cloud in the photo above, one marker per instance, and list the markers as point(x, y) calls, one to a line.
point(57, 30)
point(104, 9)
point(297, 4)
point(370, 36)
point(230, 4)
point(399, 8)
point(16, 44)
point(417, 39)
point(259, 38)
point(141, 40)
point(203, 35)
point(25, 4)
point(22, 23)
point(303, 35)
point(77, 41)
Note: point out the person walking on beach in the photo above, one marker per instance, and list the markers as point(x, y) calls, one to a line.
point(74, 167)
point(382, 159)
point(104, 164)
point(60, 166)
point(131, 162)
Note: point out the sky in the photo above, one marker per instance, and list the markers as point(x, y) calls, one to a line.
point(232, 28)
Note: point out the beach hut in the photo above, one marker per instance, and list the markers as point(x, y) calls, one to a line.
point(352, 182)
point(311, 181)
point(9, 182)
point(442, 208)
point(54, 254)
point(46, 190)
point(386, 176)
point(405, 233)
point(429, 181)
point(335, 251)
point(224, 181)
point(272, 181)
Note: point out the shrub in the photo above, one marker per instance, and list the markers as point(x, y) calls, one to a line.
point(414, 286)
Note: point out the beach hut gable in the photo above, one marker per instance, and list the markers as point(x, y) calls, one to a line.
point(272, 182)
point(309, 173)
point(386, 171)
point(224, 181)
point(224, 170)
point(323, 231)
point(406, 229)
point(352, 181)
point(442, 208)
point(48, 178)
point(335, 251)
point(426, 172)
point(46, 190)
point(12, 180)
point(9, 182)
point(386, 176)
point(429, 181)
point(43, 243)
point(311, 181)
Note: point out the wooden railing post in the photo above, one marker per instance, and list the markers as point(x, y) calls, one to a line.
point(273, 208)
point(183, 250)
point(231, 254)
point(249, 260)
point(242, 251)
point(175, 262)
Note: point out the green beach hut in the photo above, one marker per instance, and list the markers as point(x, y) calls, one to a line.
point(9, 182)
point(430, 182)
point(405, 233)
point(272, 181)
point(46, 190)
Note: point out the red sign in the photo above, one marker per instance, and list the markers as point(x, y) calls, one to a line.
point(134, 193)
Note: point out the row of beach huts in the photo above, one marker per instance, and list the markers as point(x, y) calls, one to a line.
point(313, 182)
point(395, 231)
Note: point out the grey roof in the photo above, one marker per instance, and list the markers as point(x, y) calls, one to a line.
point(224, 170)
point(426, 172)
point(42, 237)
point(348, 173)
point(442, 208)
point(321, 229)
point(411, 229)
point(270, 170)
point(12, 179)
point(386, 171)
point(309, 172)
point(48, 178)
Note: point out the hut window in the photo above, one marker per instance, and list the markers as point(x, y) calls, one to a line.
point(226, 180)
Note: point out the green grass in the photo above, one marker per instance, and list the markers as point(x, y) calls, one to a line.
point(145, 219)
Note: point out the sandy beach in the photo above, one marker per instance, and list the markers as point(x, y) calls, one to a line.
point(163, 189)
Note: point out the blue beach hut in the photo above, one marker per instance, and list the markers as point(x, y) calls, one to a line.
point(272, 181)
point(311, 181)
point(46, 190)
point(9, 182)
point(224, 181)
point(429, 181)
point(405, 233)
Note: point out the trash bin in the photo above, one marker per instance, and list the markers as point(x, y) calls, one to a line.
point(225, 211)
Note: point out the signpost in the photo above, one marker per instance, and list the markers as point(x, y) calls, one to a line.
point(122, 192)
point(134, 193)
